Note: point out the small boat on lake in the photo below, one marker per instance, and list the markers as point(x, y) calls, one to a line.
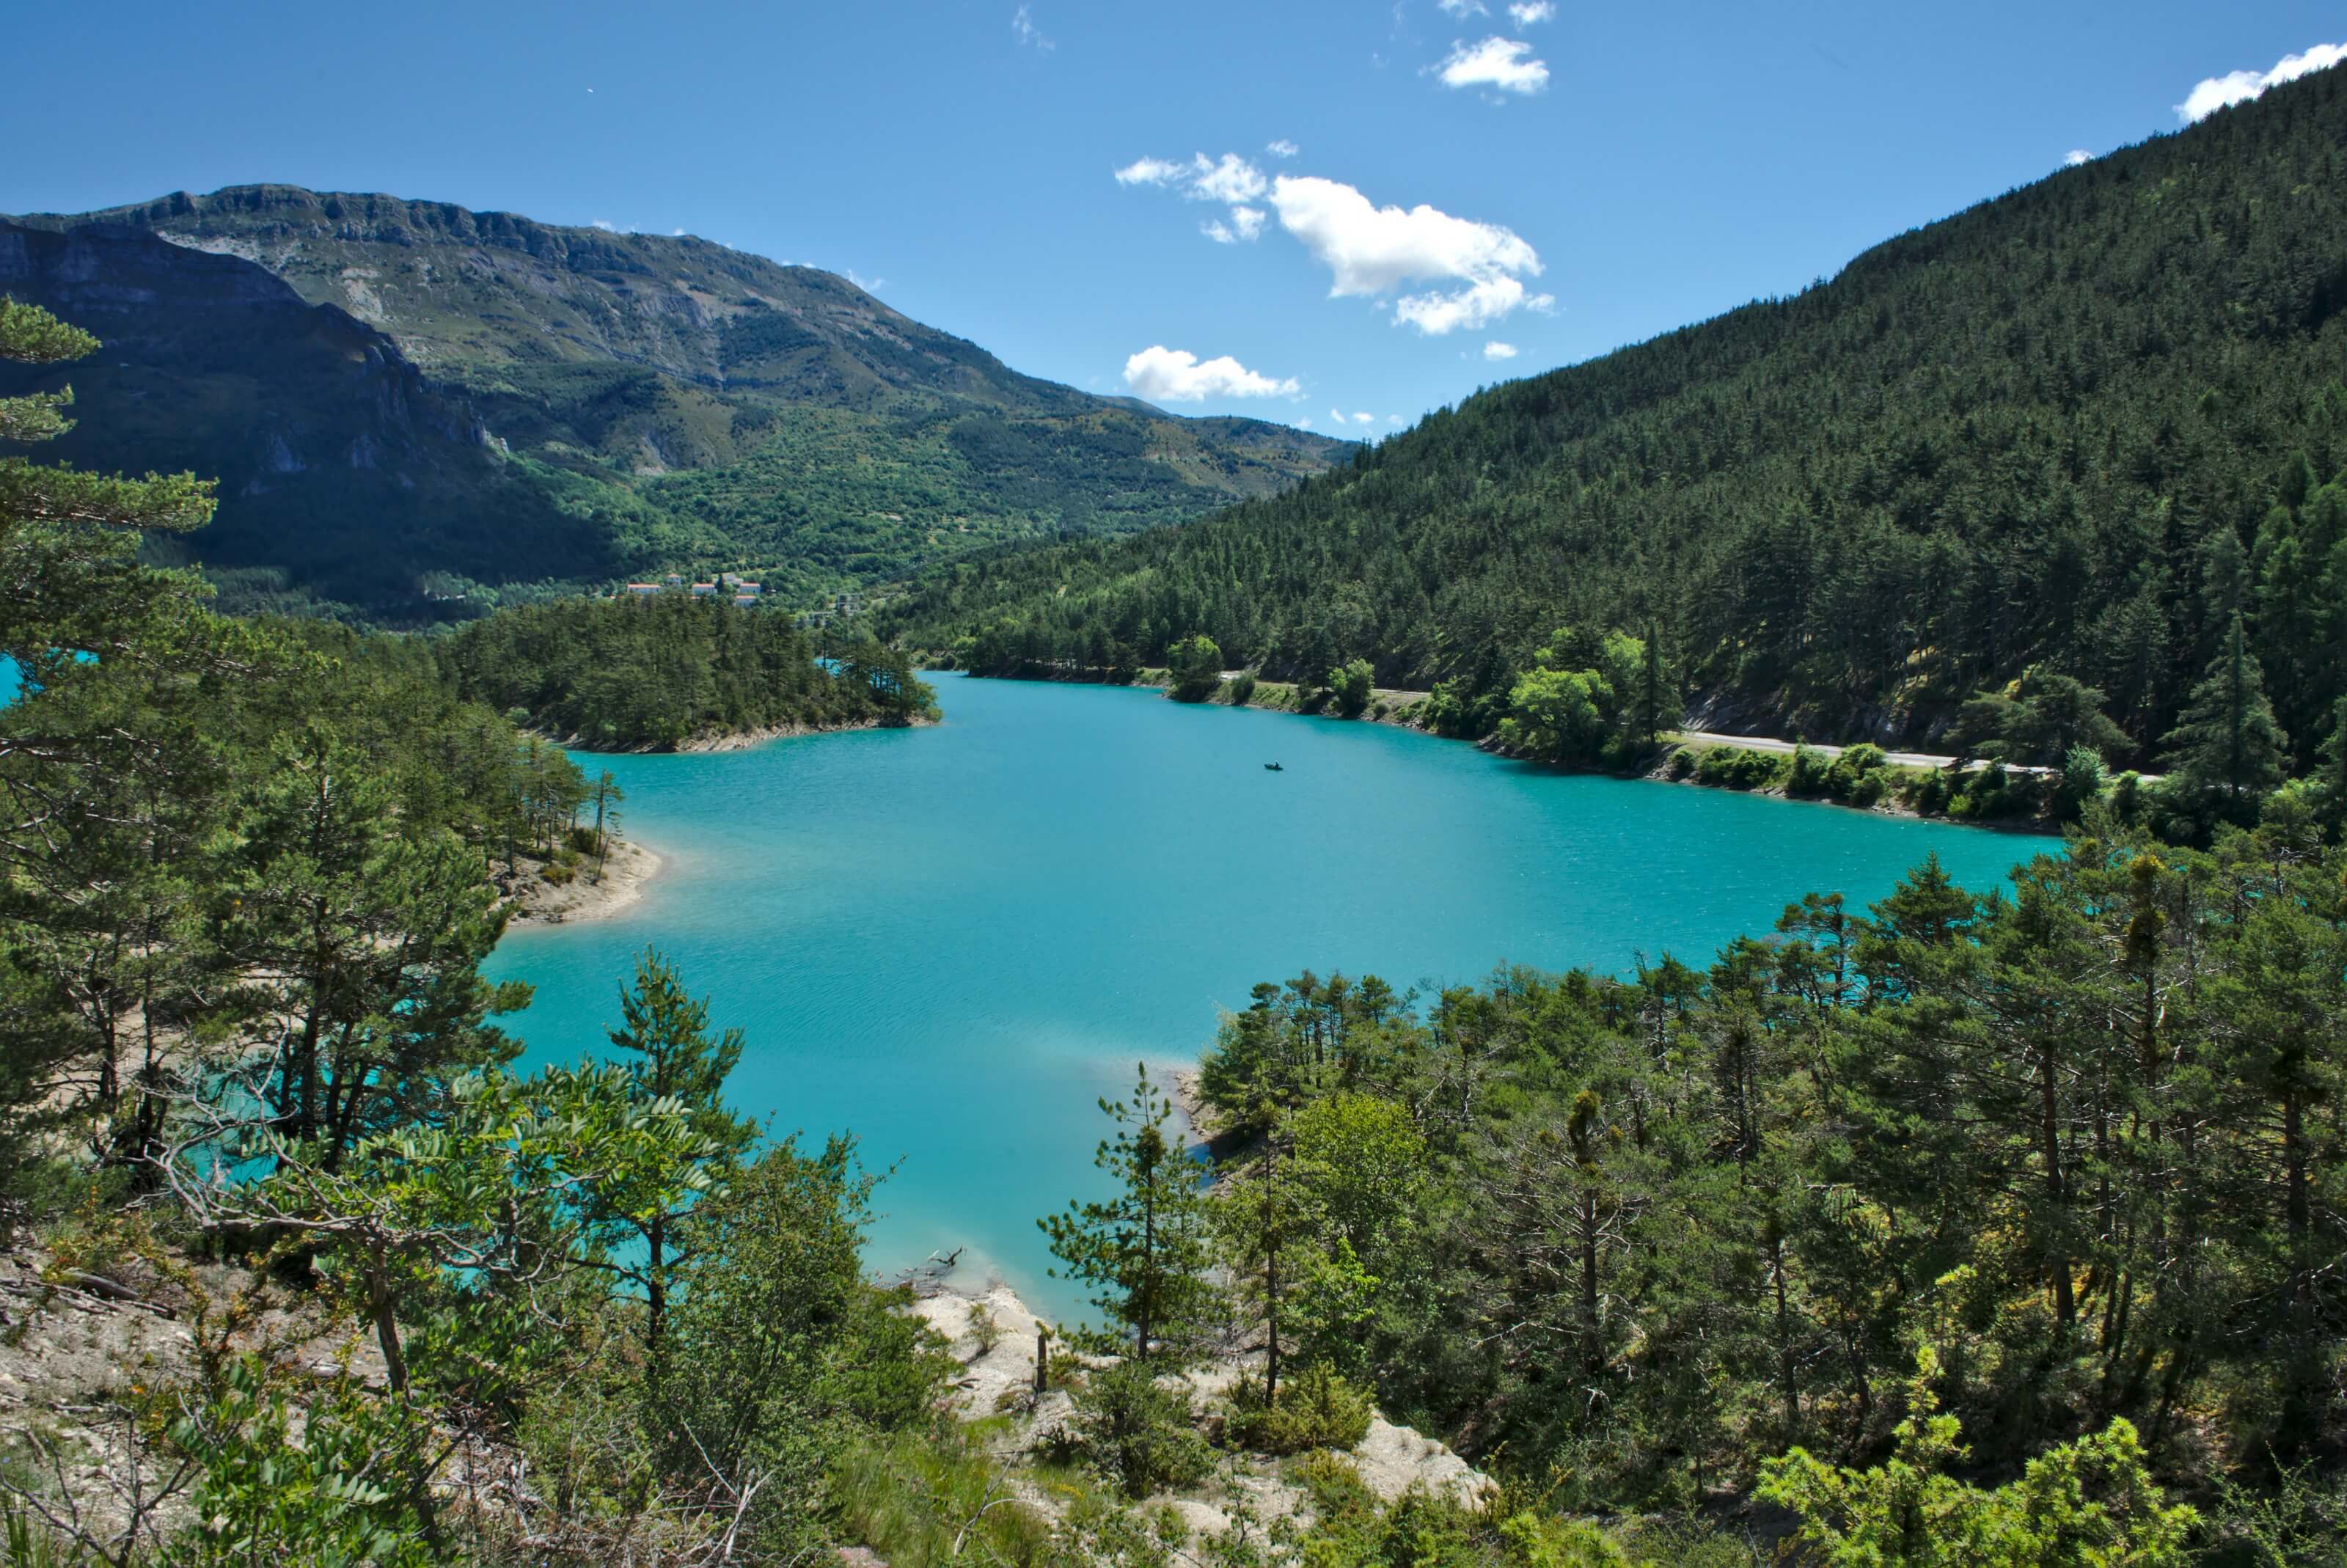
point(1273, 768)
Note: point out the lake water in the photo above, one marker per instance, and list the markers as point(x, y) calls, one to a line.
point(953, 941)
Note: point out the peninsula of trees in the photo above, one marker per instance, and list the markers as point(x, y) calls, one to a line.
point(667, 671)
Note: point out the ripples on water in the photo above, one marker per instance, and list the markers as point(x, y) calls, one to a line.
point(953, 941)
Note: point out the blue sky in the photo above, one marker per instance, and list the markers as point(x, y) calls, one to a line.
point(1396, 187)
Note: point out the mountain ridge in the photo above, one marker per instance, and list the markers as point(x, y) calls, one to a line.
point(684, 403)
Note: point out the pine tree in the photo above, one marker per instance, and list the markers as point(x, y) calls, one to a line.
point(1143, 1250)
point(670, 1058)
point(2227, 748)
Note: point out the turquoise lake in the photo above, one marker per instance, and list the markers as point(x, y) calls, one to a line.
point(953, 940)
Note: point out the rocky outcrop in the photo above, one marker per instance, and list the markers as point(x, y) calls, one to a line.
point(992, 1333)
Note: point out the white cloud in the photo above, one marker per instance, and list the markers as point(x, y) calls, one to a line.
point(1337, 414)
point(1393, 419)
point(1460, 7)
point(1371, 250)
point(1479, 306)
point(1232, 179)
point(1023, 29)
point(1365, 419)
point(1246, 223)
point(2215, 93)
point(1497, 350)
point(2076, 156)
point(1149, 171)
point(1227, 179)
point(1302, 421)
point(605, 225)
point(1528, 12)
point(1283, 148)
point(1499, 63)
point(1165, 374)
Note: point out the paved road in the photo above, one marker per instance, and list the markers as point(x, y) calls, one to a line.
point(1897, 759)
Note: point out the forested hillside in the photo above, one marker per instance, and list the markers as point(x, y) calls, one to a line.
point(2074, 428)
point(2058, 1145)
point(476, 407)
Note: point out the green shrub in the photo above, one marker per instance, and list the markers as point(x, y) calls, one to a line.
point(921, 1500)
point(1680, 762)
point(1193, 669)
point(585, 841)
point(1241, 688)
point(1137, 1432)
point(1983, 795)
point(1316, 1409)
point(1929, 791)
point(1732, 767)
point(1351, 686)
point(2082, 780)
point(2128, 797)
point(1807, 775)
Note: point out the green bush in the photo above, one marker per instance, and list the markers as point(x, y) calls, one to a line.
point(1316, 1409)
point(1929, 791)
point(1351, 686)
point(1983, 795)
point(1807, 775)
point(1681, 763)
point(2082, 780)
point(1193, 669)
point(924, 1500)
point(2128, 796)
point(1241, 688)
point(1732, 767)
point(1137, 1432)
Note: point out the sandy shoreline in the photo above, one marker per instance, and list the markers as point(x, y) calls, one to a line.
point(630, 868)
point(742, 740)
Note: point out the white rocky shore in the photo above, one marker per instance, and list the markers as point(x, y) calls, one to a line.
point(993, 1335)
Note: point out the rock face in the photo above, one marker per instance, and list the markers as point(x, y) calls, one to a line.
point(991, 1332)
point(339, 465)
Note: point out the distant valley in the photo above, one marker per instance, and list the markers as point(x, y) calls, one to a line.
point(412, 407)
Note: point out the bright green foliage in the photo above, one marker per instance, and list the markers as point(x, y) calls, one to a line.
point(1142, 1251)
point(1350, 686)
point(673, 1066)
point(653, 673)
point(780, 1355)
point(324, 1474)
point(1137, 1431)
point(2122, 383)
point(1734, 767)
point(2082, 777)
point(2085, 1504)
point(1195, 666)
point(1314, 1408)
point(1588, 699)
